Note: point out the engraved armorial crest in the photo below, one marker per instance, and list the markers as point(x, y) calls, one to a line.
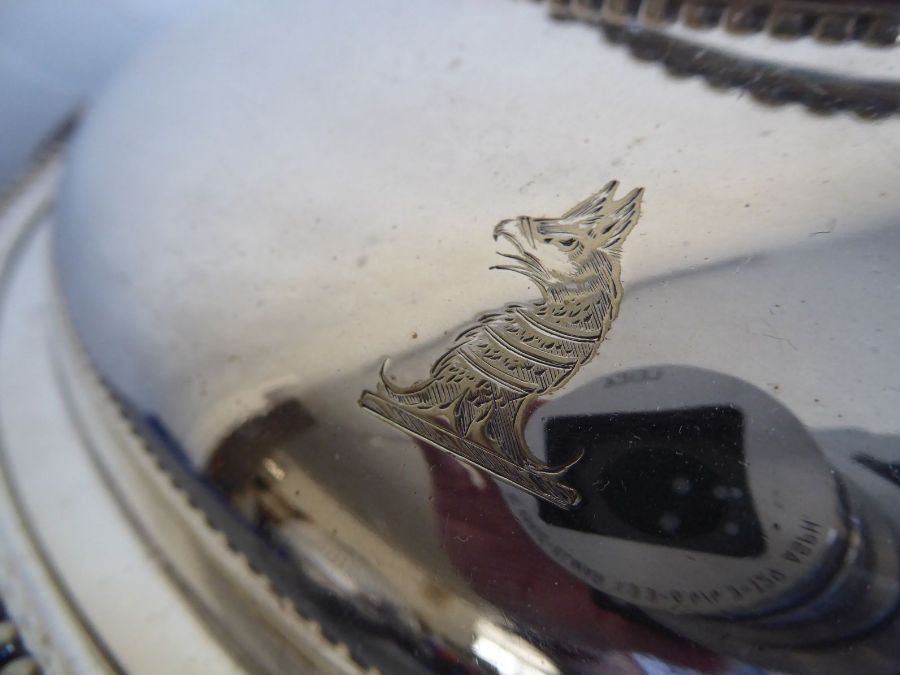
point(475, 402)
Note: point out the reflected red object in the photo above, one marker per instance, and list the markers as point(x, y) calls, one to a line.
point(497, 558)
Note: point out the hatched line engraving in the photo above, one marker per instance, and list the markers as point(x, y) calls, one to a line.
point(474, 403)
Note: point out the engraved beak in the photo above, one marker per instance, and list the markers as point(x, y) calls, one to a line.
point(506, 227)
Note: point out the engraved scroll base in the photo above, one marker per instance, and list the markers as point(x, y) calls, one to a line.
point(544, 486)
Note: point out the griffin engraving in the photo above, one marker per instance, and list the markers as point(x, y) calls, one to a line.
point(475, 401)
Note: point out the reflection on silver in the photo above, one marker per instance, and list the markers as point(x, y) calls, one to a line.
point(642, 25)
point(508, 653)
point(479, 392)
point(326, 536)
point(830, 21)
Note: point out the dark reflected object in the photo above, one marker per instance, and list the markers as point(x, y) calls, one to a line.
point(710, 507)
point(233, 467)
point(672, 477)
point(710, 480)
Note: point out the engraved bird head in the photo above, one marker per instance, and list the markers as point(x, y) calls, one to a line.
point(583, 243)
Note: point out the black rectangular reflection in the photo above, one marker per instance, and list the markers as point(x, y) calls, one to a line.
point(676, 478)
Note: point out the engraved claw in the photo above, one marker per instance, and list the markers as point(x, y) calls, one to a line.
point(554, 471)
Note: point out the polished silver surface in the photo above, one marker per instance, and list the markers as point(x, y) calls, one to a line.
point(279, 197)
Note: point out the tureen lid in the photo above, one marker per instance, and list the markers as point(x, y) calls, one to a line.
point(275, 199)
